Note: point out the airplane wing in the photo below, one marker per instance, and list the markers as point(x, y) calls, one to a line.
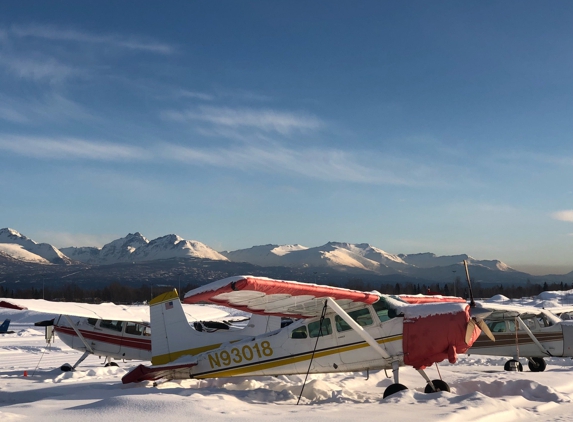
point(109, 311)
point(266, 296)
point(502, 311)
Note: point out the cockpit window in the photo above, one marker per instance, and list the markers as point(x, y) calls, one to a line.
point(111, 325)
point(299, 332)
point(361, 316)
point(496, 326)
point(384, 310)
point(314, 328)
point(133, 328)
point(92, 321)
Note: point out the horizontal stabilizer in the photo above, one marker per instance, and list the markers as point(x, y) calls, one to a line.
point(153, 373)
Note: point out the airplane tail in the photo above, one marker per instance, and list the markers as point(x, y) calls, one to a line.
point(171, 334)
point(4, 326)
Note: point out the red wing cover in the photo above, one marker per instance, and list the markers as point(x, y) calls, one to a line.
point(266, 296)
point(417, 299)
point(151, 373)
point(433, 338)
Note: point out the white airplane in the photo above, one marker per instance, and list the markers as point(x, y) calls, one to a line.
point(123, 332)
point(338, 330)
point(525, 331)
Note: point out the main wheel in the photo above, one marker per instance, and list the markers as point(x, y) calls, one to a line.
point(537, 364)
point(111, 364)
point(513, 365)
point(394, 388)
point(440, 386)
point(66, 367)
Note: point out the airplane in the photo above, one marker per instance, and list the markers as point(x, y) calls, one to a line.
point(336, 330)
point(4, 327)
point(540, 333)
point(123, 332)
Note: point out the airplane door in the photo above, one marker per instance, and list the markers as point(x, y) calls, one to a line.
point(108, 336)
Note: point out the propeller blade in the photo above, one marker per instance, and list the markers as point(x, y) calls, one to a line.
point(485, 329)
point(472, 302)
point(470, 330)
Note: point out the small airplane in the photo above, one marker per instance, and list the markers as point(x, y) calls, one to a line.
point(525, 331)
point(123, 332)
point(336, 330)
point(4, 327)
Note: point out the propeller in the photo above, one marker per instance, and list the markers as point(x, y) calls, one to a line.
point(477, 314)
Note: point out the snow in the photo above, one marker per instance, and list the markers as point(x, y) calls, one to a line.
point(480, 390)
point(18, 252)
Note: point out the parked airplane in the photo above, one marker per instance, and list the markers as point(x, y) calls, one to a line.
point(524, 331)
point(337, 330)
point(123, 332)
point(4, 327)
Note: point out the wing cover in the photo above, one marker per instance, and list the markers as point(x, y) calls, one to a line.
point(266, 296)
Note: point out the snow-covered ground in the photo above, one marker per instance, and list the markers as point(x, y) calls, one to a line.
point(481, 390)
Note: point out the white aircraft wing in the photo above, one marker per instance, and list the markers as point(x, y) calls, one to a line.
point(502, 311)
point(266, 296)
point(109, 311)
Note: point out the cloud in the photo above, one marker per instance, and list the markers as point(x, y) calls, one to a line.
point(327, 164)
point(198, 95)
point(266, 120)
point(50, 107)
point(70, 148)
point(38, 69)
point(565, 215)
point(66, 239)
point(53, 33)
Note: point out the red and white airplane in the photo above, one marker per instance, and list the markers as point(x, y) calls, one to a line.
point(337, 330)
point(123, 332)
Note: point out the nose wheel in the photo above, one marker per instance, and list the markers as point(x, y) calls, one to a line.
point(432, 386)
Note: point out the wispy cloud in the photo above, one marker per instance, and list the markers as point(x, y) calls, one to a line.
point(70, 148)
point(565, 215)
point(121, 41)
point(50, 107)
point(66, 239)
point(327, 164)
point(38, 69)
point(192, 94)
point(266, 120)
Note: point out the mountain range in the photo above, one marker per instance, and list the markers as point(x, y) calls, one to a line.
point(342, 257)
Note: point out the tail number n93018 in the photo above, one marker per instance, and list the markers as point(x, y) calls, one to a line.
point(240, 354)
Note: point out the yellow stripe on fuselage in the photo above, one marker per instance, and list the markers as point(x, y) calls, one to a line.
point(288, 360)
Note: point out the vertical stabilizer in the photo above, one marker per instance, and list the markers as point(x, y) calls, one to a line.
point(4, 326)
point(171, 335)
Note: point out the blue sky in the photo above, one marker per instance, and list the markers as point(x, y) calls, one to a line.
point(413, 126)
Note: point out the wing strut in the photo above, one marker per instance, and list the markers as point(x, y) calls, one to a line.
point(88, 347)
point(532, 336)
point(361, 331)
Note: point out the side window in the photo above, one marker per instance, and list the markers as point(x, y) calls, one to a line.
point(511, 325)
point(133, 328)
point(146, 331)
point(496, 326)
point(361, 316)
point(92, 321)
point(299, 332)
point(530, 323)
point(314, 328)
point(384, 310)
point(111, 325)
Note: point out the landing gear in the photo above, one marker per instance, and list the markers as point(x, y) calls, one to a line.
point(513, 365)
point(439, 385)
point(394, 388)
point(66, 367)
point(111, 364)
point(536, 364)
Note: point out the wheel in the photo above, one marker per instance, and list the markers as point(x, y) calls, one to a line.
point(513, 365)
point(440, 386)
point(394, 388)
point(111, 364)
point(66, 367)
point(537, 364)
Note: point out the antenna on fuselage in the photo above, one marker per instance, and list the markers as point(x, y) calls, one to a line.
point(472, 302)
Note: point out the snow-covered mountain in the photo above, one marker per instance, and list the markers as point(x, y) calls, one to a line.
point(337, 255)
point(135, 248)
point(343, 256)
point(18, 246)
